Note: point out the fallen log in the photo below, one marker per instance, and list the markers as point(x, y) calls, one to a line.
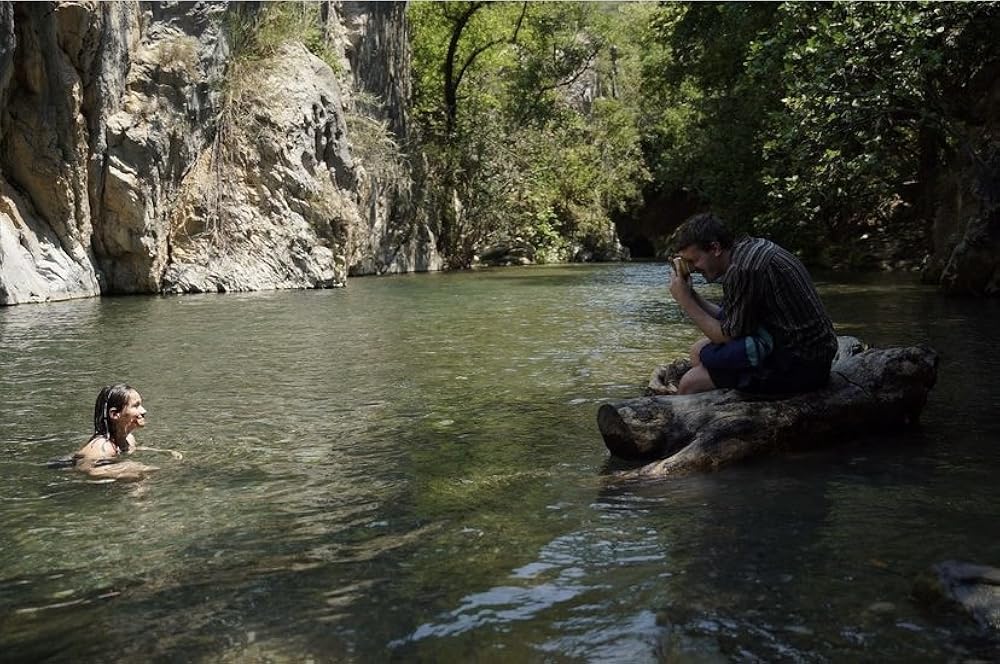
point(869, 390)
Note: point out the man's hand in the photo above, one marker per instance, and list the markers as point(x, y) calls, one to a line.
point(680, 287)
point(683, 292)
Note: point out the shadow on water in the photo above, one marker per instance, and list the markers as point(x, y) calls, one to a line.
point(777, 556)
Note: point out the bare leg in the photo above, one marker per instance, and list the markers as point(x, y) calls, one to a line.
point(696, 380)
point(696, 351)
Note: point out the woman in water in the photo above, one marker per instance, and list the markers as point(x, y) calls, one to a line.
point(117, 414)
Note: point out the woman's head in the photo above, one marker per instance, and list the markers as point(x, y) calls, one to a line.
point(118, 412)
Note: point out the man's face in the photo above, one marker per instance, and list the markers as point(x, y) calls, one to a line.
point(711, 262)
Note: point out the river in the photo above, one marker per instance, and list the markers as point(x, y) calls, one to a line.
point(410, 469)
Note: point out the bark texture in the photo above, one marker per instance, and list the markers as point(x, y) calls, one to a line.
point(869, 390)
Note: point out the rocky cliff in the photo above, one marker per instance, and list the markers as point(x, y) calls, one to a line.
point(966, 229)
point(139, 153)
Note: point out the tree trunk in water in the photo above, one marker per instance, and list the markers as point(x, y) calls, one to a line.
point(869, 390)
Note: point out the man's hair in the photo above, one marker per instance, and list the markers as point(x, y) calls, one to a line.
point(702, 230)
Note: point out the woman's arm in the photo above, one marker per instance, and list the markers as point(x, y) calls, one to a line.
point(174, 453)
point(135, 447)
point(126, 471)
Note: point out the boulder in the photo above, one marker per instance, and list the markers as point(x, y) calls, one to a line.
point(976, 588)
point(509, 253)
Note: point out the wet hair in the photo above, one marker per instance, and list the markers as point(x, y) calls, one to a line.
point(702, 230)
point(111, 397)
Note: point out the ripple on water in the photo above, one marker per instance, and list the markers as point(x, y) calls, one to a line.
point(412, 464)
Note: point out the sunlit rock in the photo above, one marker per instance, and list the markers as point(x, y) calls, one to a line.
point(141, 154)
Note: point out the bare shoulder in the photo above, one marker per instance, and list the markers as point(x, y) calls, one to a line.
point(95, 449)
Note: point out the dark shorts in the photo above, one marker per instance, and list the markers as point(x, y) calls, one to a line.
point(730, 355)
point(780, 373)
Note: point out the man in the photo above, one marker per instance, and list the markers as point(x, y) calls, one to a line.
point(771, 335)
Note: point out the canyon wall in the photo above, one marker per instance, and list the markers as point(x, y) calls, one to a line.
point(142, 152)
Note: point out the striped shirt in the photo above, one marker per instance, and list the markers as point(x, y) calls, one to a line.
point(766, 286)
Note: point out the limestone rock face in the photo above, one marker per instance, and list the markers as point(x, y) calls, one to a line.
point(972, 265)
point(271, 203)
point(396, 236)
point(966, 229)
point(57, 65)
point(157, 121)
point(136, 156)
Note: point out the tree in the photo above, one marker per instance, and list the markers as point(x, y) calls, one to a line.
point(518, 128)
point(816, 123)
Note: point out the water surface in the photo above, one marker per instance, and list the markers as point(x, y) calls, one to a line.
point(409, 468)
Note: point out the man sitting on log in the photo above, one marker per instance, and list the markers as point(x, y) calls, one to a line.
point(771, 335)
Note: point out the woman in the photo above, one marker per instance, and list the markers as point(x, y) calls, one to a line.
point(118, 412)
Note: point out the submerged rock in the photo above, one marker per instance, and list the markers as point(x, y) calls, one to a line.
point(976, 588)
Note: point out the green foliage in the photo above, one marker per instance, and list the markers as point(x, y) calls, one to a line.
point(701, 113)
point(373, 142)
point(256, 32)
point(813, 122)
point(866, 110)
point(527, 131)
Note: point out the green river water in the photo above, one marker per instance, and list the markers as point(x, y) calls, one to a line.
point(409, 469)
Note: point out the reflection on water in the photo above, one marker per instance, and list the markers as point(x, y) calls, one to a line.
point(410, 468)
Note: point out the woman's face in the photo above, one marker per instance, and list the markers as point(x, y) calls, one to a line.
point(132, 416)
